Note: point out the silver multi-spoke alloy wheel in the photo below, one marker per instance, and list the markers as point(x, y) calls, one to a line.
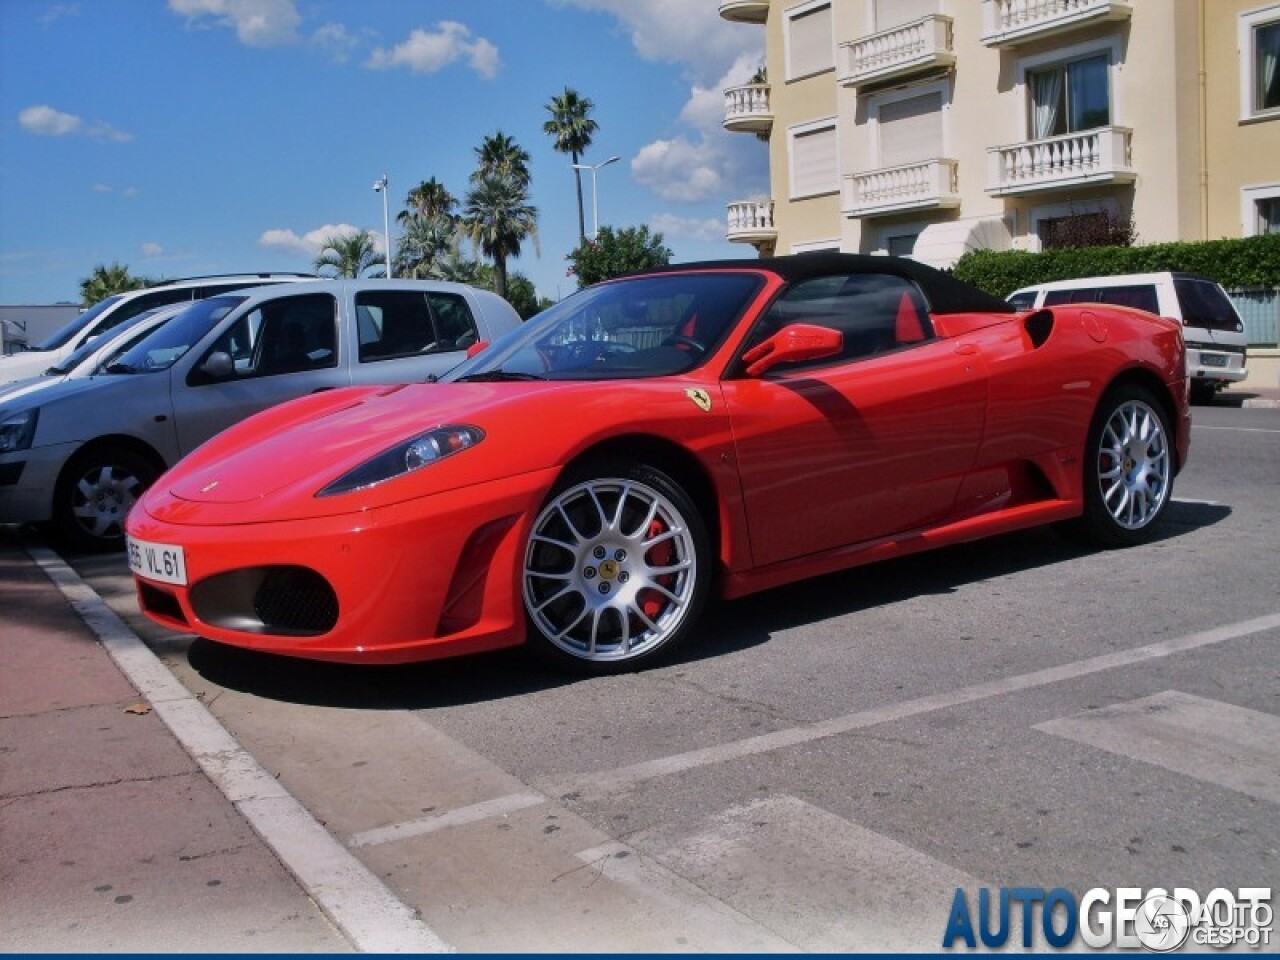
point(102, 498)
point(1133, 464)
point(611, 571)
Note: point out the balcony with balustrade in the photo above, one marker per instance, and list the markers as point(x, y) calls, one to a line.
point(744, 11)
point(928, 185)
point(1092, 157)
point(1007, 23)
point(911, 48)
point(747, 108)
point(751, 221)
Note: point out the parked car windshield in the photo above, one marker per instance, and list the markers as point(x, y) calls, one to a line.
point(171, 340)
point(69, 330)
point(1205, 305)
point(642, 327)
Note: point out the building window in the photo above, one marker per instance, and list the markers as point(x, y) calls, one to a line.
point(893, 13)
point(909, 130)
point(814, 163)
point(1260, 210)
point(1260, 63)
point(1070, 97)
point(810, 41)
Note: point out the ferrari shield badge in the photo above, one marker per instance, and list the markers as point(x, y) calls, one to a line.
point(701, 398)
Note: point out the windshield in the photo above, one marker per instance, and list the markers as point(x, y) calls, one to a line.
point(1205, 305)
point(94, 344)
point(643, 327)
point(165, 345)
point(63, 334)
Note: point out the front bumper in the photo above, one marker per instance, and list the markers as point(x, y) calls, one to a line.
point(429, 578)
point(33, 473)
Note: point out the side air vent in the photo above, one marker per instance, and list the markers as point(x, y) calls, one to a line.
point(1039, 325)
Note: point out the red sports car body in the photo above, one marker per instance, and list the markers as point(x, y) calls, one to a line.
point(588, 481)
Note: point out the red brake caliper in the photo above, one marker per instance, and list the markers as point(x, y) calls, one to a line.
point(652, 602)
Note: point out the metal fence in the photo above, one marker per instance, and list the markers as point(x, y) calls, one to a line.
point(1259, 308)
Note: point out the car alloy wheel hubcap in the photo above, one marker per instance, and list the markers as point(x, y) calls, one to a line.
point(1133, 465)
point(610, 570)
point(102, 499)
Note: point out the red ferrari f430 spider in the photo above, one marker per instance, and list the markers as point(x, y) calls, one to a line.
point(587, 482)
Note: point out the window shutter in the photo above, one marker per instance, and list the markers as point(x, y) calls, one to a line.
point(911, 130)
point(811, 45)
point(893, 13)
point(813, 162)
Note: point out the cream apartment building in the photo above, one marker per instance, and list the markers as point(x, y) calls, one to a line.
point(931, 127)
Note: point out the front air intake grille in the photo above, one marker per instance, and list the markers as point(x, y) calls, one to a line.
point(160, 602)
point(295, 600)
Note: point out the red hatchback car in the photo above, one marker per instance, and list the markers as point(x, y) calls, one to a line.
point(587, 482)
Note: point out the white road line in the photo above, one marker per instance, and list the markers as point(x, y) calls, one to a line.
point(498, 807)
point(1199, 426)
point(608, 782)
point(1214, 742)
point(358, 903)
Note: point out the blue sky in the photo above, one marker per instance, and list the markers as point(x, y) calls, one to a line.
point(183, 137)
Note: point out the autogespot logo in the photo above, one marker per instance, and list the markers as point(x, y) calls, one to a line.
point(1126, 918)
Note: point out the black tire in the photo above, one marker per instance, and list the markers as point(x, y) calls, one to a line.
point(1128, 469)
point(94, 493)
point(616, 570)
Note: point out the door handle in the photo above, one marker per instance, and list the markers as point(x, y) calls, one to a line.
point(967, 349)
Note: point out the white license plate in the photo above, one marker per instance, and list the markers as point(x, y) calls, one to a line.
point(1213, 360)
point(158, 561)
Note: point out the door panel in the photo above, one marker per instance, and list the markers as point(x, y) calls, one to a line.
point(836, 455)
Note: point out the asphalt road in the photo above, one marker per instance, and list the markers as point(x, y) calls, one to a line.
point(831, 760)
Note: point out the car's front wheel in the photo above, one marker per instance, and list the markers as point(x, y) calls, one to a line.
point(616, 570)
point(97, 488)
point(1129, 470)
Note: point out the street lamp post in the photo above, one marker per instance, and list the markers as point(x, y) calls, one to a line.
point(595, 203)
point(380, 186)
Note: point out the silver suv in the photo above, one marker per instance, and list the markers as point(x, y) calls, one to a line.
point(79, 453)
point(111, 312)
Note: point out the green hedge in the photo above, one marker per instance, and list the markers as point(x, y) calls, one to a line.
point(1246, 262)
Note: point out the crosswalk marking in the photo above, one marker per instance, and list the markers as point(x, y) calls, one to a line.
point(1214, 742)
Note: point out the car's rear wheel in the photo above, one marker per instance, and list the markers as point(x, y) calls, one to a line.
point(1129, 470)
point(94, 493)
point(616, 570)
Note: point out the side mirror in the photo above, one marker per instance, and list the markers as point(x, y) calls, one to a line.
point(794, 342)
point(218, 366)
point(476, 348)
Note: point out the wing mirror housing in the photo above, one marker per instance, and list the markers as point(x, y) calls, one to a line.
point(476, 348)
point(793, 343)
point(218, 366)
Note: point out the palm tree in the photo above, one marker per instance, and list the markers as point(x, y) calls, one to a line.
point(348, 254)
point(572, 127)
point(498, 218)
point(423, 239)
point(428, 199)
point(107, 281)
point(500, 156)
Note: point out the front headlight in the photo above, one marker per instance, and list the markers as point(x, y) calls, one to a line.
point(17, 430)
point(413, 454)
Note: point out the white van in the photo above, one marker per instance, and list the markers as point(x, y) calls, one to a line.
point(1212, 329)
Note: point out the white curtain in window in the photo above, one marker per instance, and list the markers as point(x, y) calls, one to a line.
point(1269, 215)
point(1046, 92)
point(1268, 40)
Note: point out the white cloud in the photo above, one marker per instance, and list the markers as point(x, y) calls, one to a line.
point(428, 52)
point(103, 188)
point(311, 242)
point(672, 226)
point(257, 23)
point(690, 32)
point(336, 40)
point(679, 170)
point(151, 250)
point(45, 121)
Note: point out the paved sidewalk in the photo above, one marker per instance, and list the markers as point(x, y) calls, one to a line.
point(112, 838)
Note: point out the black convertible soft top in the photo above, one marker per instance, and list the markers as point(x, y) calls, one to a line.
point(943, 292)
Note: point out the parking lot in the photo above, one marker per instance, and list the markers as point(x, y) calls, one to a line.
point(830, 761)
